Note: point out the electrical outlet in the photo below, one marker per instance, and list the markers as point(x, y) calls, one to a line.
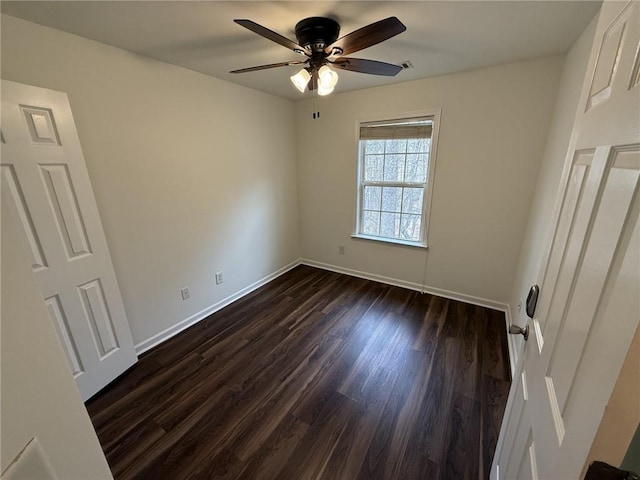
point(519, 306)
point(341, 249)
point(219, 278)
point(185, 293)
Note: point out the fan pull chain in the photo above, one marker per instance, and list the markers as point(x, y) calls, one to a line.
point(316, 108)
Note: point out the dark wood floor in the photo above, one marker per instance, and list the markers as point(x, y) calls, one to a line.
point(315, 375)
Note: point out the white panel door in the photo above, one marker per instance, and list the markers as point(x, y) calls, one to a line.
point(589, 305)
point(47, 194)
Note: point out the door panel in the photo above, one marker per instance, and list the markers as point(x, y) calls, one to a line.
point(47, 193)
point(529, 466)
point(576, 326)
point(601, 123)
point(61, 324)
point(558, 281)
point(64, 205)
point(97, 315)
point(11, 186)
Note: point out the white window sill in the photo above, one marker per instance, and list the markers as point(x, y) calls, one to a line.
point(392, 241)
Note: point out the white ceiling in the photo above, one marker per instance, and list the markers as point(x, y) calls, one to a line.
point(442, 36)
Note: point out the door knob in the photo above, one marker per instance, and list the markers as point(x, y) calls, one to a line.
point(515, 330)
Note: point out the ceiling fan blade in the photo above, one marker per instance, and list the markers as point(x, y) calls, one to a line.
point(264, 67)
point(362, 65)
point(273, 36)
point(367, 36)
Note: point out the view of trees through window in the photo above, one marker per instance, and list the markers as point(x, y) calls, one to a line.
point(394, 179)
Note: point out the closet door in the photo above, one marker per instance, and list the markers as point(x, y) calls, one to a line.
point(47, 195)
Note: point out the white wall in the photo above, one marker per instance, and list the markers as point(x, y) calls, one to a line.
point(191, 174)
point(540, 219)
point(39, 397)
point(492, 135)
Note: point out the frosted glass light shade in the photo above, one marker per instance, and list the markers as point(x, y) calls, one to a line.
point(301, 79)
point(324, 91)
point(327, 78)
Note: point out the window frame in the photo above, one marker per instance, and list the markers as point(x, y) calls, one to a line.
point(434, 115)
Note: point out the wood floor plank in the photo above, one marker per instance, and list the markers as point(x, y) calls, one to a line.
point(353, 385)
point(462, 452)
point(407, 420)
point(496, 358)
point(470, 359)
point(388, 443)
point(159, 451)
point(312, 402)
point(130, 380)
point(272, 410)
point(133, 408)
point(314, 375)
point(309, 459)
point(435, 316)
point(269, 461)
point(494, 397)
point(133, 445)
point(431, 419)
point(351, 449)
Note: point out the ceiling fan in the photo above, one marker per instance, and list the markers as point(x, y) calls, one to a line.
point(317, 39)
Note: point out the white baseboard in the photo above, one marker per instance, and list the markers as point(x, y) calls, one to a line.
point(481, 302)
point(167, 333)
point(359, 274)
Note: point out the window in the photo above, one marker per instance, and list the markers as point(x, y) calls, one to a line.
point(395, 173)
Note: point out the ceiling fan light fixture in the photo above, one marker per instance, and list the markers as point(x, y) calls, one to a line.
point(327, 78)
point(322, 91)
point(301, 79)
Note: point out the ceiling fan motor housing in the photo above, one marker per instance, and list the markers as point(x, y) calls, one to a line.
point(316, 33)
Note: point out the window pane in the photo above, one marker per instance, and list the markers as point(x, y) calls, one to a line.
point(389, 224)
point(410, 227)
point(396, 146)
point(373, 165)
point(372, 196)
point(391, 199)
point(393, 177)
point(412, 200)
point(416, 170)
point(394, 168)
point(374, 146)
point(371, 223)
point(418, 145)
